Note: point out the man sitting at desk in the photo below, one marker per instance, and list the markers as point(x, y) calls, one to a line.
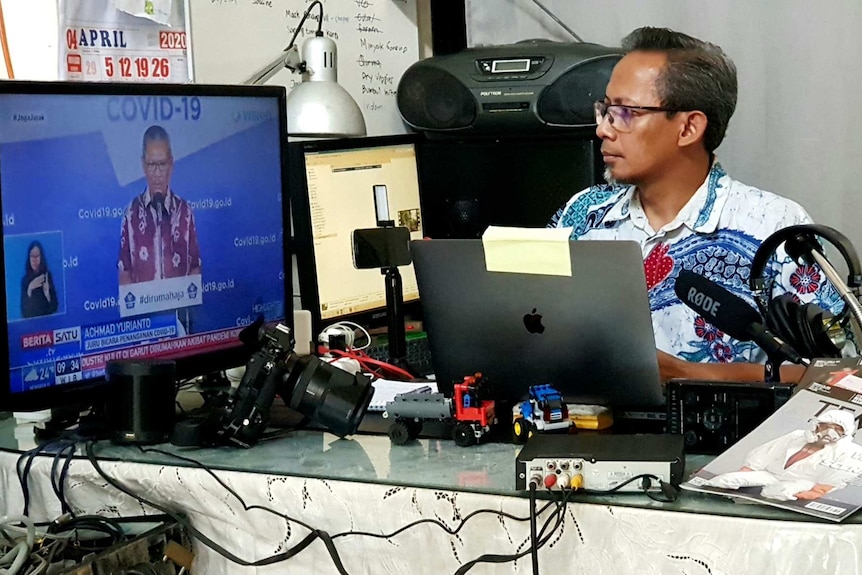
point(665, 111)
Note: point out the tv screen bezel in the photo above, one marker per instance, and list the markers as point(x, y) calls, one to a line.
point(86, 393)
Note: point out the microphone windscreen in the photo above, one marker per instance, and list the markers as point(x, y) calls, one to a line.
point(723, 309)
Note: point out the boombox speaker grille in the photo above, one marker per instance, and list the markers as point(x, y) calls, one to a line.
point(430, 98)
point(569, 100)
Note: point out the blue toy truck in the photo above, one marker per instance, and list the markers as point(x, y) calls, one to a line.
point(543, 411)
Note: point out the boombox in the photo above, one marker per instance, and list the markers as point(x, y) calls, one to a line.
point(712, 416)
point(532, 86)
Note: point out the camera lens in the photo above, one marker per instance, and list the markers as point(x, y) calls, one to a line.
point(328, 395)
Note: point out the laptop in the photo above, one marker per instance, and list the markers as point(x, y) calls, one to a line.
point(589, 335)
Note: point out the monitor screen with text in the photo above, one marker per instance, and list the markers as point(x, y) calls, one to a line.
point(349, 185)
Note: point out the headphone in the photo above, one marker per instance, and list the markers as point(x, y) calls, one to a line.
point(807, 328)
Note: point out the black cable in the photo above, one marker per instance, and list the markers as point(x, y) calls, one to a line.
point(227, 487)
point(62, 480)
point(537, 540)
point(58, 485)
point(669, 492)
point(304, 18)
point(644, 484)
point(106, 525)
point(558, 515)
point(193, 531)
point(543, 538)
point(440, 524)
point(247, 507)
point(24, 475)
point(534, 556)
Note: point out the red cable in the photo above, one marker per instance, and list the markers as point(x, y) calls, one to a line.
point(365, 360)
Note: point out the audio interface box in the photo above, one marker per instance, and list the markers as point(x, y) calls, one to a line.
point(598, 462)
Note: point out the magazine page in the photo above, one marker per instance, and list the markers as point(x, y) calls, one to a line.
point(807, 456)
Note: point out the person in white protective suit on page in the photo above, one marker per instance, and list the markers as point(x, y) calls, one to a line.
point(803, 464)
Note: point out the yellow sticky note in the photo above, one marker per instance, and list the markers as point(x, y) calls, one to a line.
point(528, 250)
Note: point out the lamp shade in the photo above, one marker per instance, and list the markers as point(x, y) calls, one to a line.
point(319, 107)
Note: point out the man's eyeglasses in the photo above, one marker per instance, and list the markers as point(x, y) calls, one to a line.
point(157, 167)
point(621, 116)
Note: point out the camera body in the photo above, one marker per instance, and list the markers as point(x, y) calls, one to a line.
point(250, 404)
point(323, 393)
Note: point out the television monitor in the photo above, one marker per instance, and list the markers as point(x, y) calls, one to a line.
point(513, 180)
point(101, 262)
point(332, 190)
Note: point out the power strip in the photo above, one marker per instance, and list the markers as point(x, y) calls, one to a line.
point(594, 462)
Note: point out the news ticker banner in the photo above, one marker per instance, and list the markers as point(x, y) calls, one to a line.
point(77, 353)
point(123, 41)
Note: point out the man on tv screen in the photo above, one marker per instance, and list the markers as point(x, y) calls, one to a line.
point(159, 238)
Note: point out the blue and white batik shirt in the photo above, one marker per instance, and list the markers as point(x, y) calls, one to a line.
point(716, 234)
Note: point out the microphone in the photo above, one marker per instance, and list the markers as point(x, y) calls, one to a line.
point(731, 314)
point(158, 202)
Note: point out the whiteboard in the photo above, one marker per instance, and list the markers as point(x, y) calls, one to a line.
point(376, 39)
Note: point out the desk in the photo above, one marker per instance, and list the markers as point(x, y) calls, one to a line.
point(364, 483)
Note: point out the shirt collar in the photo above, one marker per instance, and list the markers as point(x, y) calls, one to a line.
point(147, 198)
point(621, 209)
point(700, 214)
point(703, 210)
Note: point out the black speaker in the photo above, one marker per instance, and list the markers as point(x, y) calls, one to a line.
point(139, 401)
point(533, 86)
point(470, 183)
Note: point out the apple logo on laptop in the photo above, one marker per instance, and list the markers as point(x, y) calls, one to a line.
point(533, 322)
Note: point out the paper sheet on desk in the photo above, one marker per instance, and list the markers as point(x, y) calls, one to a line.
point(385, 391)
point(542, 251)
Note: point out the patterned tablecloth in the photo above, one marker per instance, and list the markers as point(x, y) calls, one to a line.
point(594, 538)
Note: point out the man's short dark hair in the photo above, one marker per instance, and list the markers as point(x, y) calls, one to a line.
point(156, 134)
point(698, 76)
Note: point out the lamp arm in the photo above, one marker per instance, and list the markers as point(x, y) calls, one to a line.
point(288, 58)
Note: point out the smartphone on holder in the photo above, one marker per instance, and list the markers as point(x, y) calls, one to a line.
point(381, 248)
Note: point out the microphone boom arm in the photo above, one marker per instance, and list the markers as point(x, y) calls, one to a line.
point(848, 295)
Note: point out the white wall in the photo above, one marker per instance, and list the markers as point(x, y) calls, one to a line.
point(31, 26)
point(797, 130)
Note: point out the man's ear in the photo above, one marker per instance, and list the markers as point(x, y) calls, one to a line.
point(693, 129)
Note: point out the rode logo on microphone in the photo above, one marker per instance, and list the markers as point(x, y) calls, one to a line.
point(703, 301)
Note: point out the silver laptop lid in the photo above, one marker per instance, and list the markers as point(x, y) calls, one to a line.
point(589, 335)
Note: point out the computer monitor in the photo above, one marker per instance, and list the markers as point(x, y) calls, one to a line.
point(332, 190)
point(139, 221)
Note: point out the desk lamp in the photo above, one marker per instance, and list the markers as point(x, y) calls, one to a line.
point(318, 107)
